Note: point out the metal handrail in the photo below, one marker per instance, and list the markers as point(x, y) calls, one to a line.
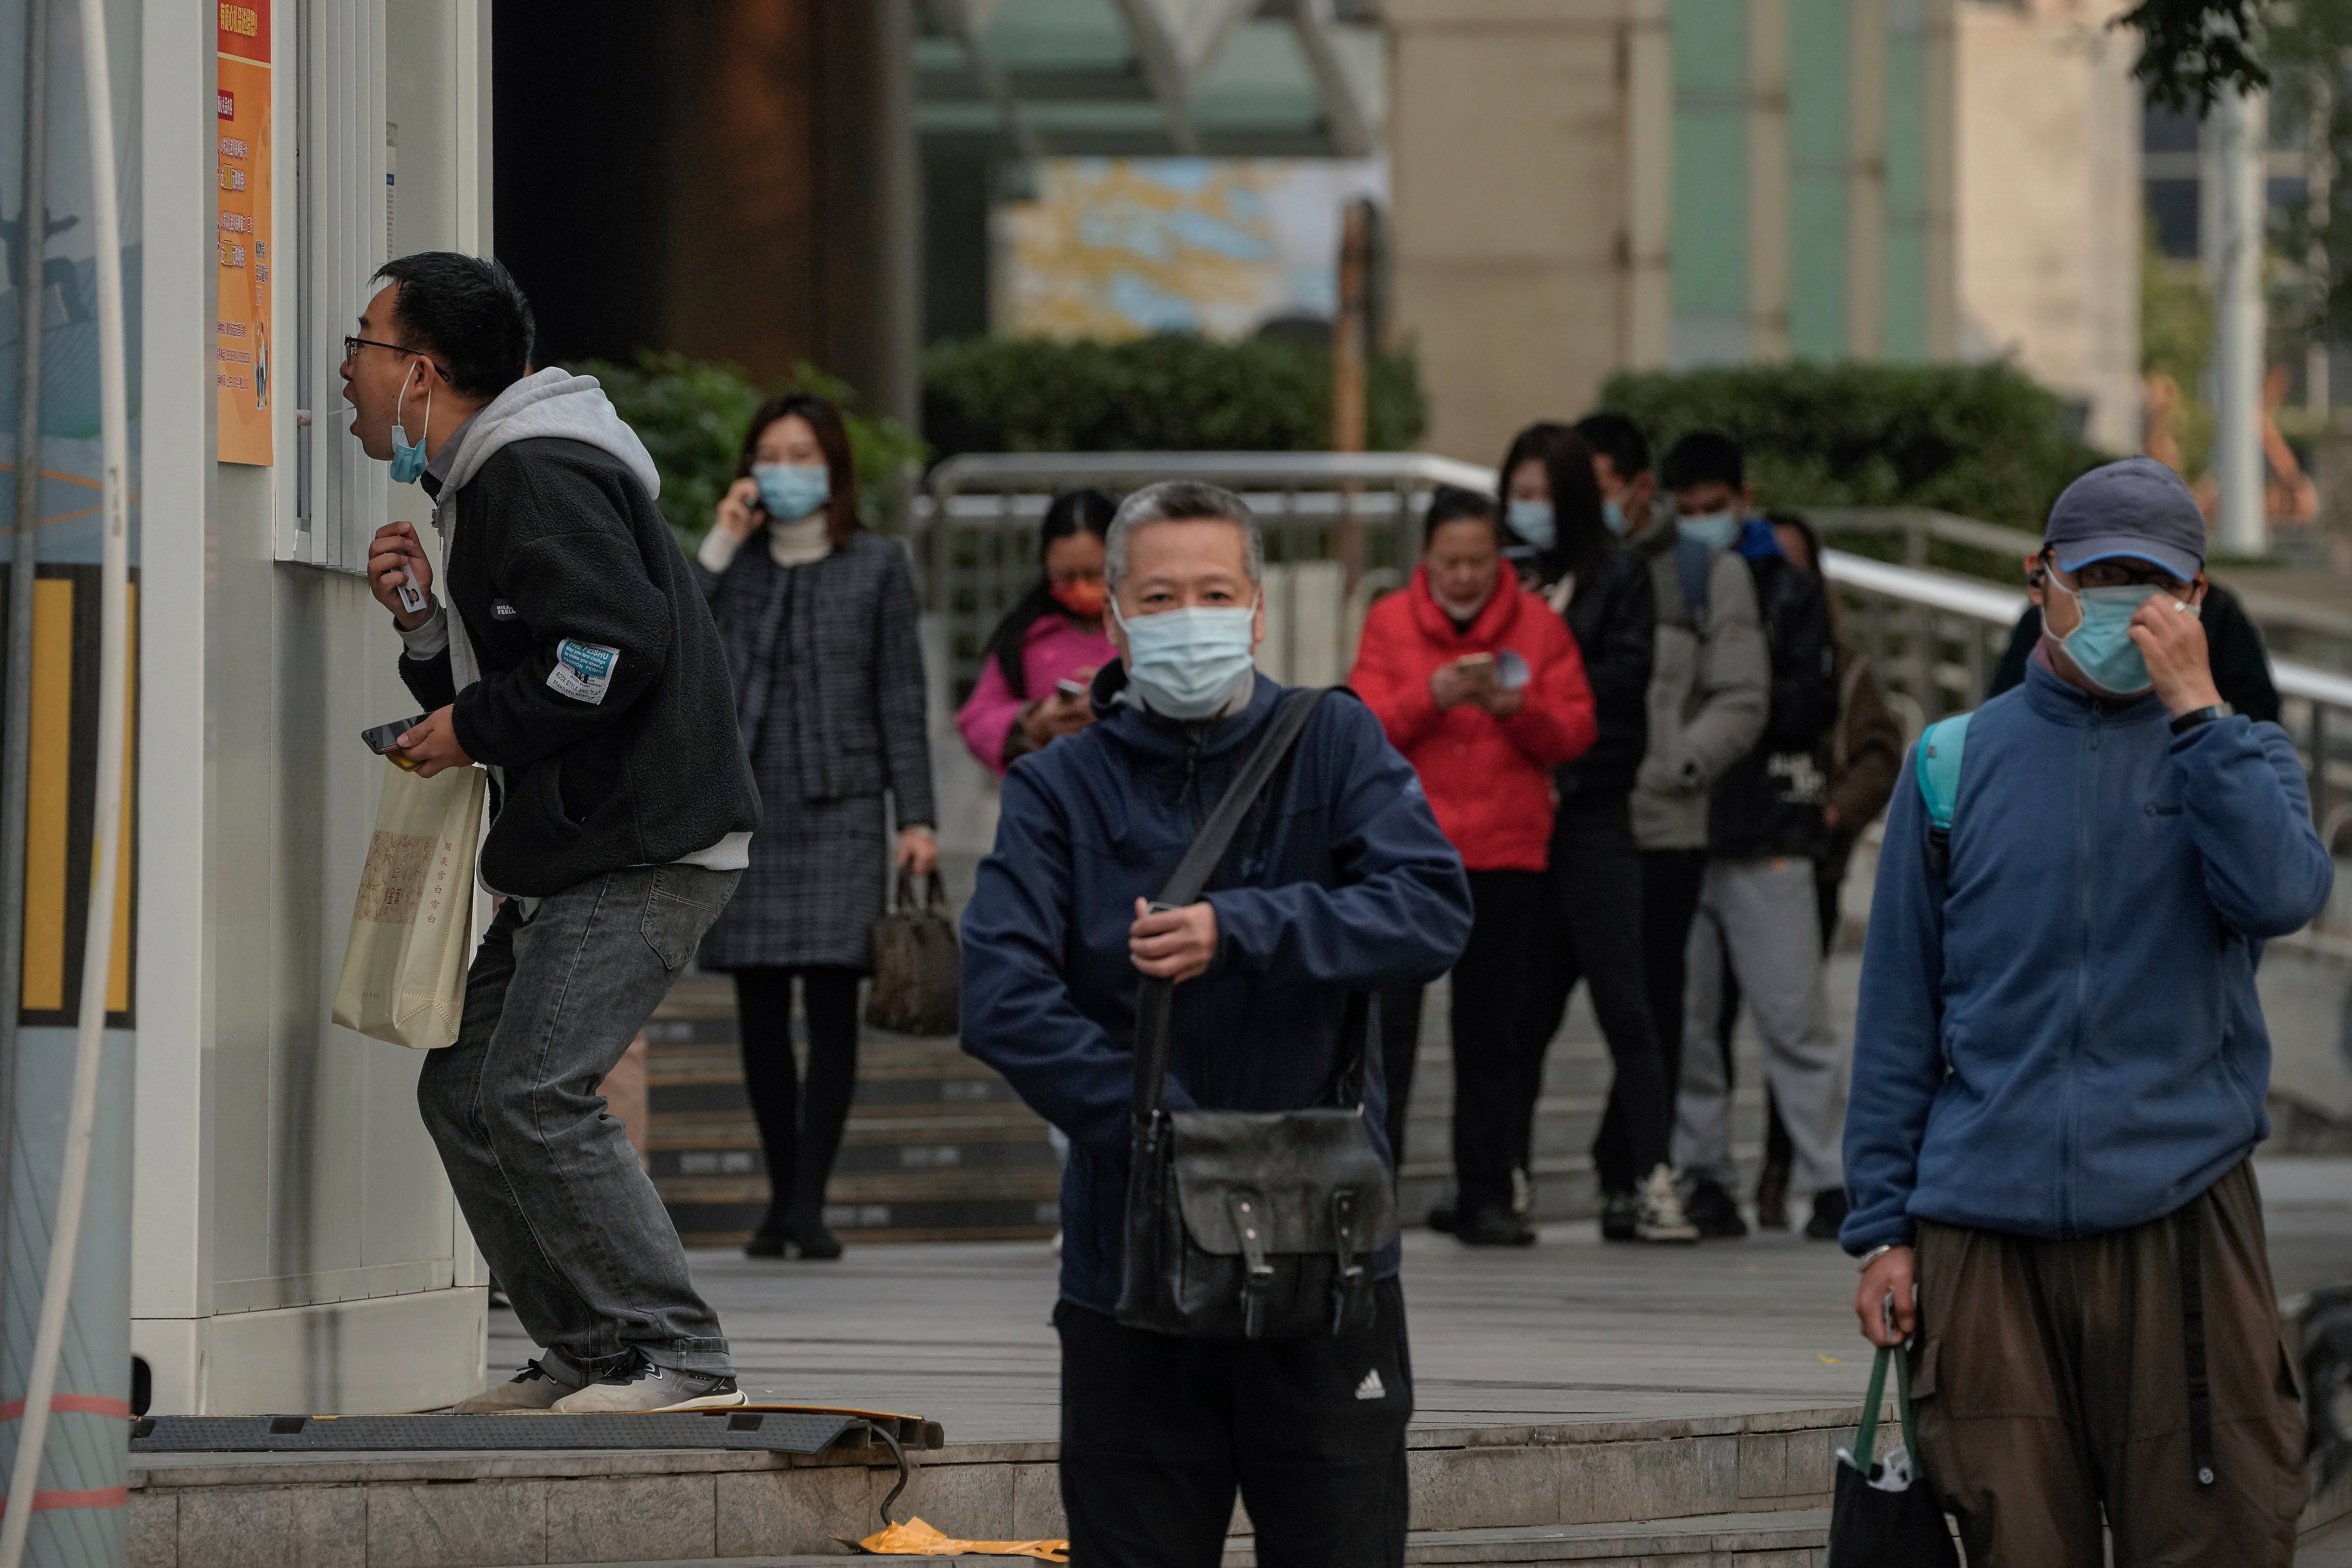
point(1919, 525)
point(1278, 471)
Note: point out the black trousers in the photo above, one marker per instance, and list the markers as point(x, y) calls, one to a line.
point(1670, 884)
point(800, 1133)
point(1491, 1073)
point(1159, 1432)
point(1399, 1044)
point(1592, 930)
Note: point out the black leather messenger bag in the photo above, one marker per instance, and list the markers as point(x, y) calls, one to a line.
point(1250, 1223)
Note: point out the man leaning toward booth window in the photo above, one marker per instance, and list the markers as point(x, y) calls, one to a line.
point(1340, 882)
point(574, 656)
point(2060, 1065)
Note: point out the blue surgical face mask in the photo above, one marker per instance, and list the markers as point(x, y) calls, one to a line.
point(408, 461)
point(791, 490)
point(1184, 664)
point(1613, 516)
point(2102, 648)
point(1532, 521)
point(1714, 530)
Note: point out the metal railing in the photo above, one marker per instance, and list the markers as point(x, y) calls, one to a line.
point(2313, 633)
point(974, 535)
point(1934, 637)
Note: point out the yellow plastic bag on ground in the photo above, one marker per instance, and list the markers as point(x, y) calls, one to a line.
point(404, 968)
point(915, 1538)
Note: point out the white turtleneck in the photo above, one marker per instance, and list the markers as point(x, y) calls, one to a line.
point(789, 544)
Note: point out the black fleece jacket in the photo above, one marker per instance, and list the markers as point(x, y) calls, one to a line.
point(605, 695)
point(1614, 617)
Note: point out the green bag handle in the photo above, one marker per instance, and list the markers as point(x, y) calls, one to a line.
point(1866, 1438)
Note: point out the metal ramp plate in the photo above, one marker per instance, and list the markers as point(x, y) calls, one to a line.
point(755, 1431)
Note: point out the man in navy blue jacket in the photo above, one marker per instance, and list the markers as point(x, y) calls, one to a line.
point(2060, 1065)
point(1341, 883)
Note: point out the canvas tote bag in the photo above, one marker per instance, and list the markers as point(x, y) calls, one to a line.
point(404, 969)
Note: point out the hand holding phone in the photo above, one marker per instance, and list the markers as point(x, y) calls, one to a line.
point(383, 739)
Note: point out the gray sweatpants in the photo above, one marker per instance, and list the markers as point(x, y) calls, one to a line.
point(1763, 912)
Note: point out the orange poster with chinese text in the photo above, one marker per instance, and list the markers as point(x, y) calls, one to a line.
point(241, 371)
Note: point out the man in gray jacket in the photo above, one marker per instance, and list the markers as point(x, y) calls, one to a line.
point(1710, 691)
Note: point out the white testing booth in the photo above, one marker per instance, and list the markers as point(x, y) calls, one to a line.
point(295, 1245)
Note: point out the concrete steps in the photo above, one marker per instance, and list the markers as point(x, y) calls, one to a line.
point(1790, 1539)
point(939, 1148)
point(1715, 1493)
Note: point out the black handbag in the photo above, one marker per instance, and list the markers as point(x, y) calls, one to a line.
point(916, 966)
point(1250, 1223)
point(1883, 1520)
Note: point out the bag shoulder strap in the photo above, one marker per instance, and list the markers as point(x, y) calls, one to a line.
point(1199, 863)
point(1938, 767)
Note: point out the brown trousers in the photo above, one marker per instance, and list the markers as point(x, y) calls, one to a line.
point(2052, 1378)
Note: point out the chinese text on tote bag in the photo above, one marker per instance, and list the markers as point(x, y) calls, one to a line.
point(405, 970)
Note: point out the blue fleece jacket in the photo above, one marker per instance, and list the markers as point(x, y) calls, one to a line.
point(1341, 881)
point(2061, 1037)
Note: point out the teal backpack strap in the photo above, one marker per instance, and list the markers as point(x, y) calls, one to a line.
point(1942, 749)
point(1941, 745)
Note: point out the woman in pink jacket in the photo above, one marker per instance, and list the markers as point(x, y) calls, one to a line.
point(1052, 636)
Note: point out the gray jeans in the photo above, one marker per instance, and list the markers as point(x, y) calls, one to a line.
point(1763, 912)
point(546, 1177)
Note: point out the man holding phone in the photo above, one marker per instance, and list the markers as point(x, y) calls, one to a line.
point(575, 658)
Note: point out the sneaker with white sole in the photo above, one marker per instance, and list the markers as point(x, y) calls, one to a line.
point(1658, 1210)
point(533, 1391)
point(641, 1387)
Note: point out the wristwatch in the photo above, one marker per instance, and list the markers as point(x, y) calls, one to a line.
point(2196, 716)
point(1875, 1252)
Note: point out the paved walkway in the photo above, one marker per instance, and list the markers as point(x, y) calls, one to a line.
point(1570, 1330)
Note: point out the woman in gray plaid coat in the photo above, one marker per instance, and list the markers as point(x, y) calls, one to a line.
point(819, 620)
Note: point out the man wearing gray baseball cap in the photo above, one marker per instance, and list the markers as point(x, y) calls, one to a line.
point(2060, 1065)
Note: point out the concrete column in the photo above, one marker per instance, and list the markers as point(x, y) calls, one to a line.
point(1649, 120)
point(1767, 179)
point(1865, 299)
point(2235, 139)
point(1521, 308)
point(1940, 151)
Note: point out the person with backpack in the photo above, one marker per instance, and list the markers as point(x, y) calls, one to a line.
point(1336, 881)
point(2060, 1070)
point(1590, 928)
point(566, 648)
point(1859, 759)
point(1709, 688)
point(1479, 685)
point(1757, 909)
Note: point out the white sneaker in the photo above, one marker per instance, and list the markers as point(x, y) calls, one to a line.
point(533, 1391)
point(644, 1388)
point(1658, 1210)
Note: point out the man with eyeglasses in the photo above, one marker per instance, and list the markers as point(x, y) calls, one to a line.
point(2060, 1066)
point(576, 659)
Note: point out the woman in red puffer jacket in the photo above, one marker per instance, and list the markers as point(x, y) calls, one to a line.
point(1481, 687)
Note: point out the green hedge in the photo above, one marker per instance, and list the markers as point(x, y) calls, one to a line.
point(1175, 392)
point(1985, 440)
point(691, 414)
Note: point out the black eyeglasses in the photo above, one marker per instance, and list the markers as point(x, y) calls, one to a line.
point(352, 347)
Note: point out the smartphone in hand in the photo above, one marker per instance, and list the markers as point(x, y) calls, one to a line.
point(383, 739)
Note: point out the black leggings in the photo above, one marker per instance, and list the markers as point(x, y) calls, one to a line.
point(799, 1136)
point(1593, 931)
